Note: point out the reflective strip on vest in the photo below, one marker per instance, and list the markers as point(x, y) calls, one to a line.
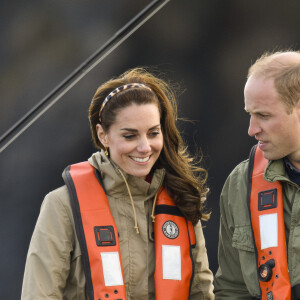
point(98, 238)
point(266, 210)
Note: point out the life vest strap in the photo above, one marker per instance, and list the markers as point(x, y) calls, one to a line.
point(174, 236)
point(167, 209)
point(96, 232)
point(98, 238)
point(79, 230)
point(267, 220)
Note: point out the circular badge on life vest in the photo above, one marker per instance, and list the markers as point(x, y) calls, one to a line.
point(170, 230)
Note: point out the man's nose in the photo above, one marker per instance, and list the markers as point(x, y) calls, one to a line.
point(254, 127)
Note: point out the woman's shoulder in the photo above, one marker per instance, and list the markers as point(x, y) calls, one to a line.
point(58, 199)
point(60, 194)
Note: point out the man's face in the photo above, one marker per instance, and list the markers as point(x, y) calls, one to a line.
point(277, 132)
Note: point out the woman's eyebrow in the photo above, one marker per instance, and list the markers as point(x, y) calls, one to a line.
point(129, 129)
point(156, 126)
point(135, 130)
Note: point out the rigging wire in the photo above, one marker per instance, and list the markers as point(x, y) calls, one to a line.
point(62, 88)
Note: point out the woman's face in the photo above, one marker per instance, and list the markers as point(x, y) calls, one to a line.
point(135, 140)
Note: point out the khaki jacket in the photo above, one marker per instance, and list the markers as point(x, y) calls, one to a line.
point(54, 263)
point(236, 277)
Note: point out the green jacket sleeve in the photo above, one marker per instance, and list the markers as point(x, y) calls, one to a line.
point(236, 276)
point(48, 260)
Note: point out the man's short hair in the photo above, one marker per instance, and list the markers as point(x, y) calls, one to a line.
point(284, 68)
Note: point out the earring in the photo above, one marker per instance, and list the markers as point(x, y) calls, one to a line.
point(106, 151)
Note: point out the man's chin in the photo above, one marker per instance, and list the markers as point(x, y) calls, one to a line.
point(272, 156)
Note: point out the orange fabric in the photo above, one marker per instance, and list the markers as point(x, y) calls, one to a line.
point(166, 288)
point(92, 211)
point(279, 283)
point(97, 213)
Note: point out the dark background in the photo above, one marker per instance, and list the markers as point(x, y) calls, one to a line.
point(206, 46)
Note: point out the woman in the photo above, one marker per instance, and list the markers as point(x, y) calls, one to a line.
point(127, 223)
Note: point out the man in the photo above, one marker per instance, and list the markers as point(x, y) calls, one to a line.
point(259, 242)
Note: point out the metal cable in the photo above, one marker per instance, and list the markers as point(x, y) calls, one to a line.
point(56, 94)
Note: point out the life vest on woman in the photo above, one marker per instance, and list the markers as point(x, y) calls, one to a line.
point(267, 219)
point(98, 238)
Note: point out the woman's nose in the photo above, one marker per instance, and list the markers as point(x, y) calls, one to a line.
point(144, 145)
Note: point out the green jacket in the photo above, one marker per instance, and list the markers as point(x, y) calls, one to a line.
point(236, 277)
point(54, 268)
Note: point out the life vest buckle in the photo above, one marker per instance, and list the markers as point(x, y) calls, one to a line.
point(105, 236)
point(265, 271)
point(267, 199)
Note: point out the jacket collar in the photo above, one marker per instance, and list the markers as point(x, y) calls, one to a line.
point(276, 170)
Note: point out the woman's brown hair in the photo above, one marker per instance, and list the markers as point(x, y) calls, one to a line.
point(185, 181)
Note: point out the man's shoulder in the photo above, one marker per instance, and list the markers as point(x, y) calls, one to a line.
point(241, 170)
point(233, 200)
point(236, 184)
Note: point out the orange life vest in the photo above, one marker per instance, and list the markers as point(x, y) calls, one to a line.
point(266, 210)
point(98, 238)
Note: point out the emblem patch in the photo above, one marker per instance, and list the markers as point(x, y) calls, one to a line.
point(170, 230)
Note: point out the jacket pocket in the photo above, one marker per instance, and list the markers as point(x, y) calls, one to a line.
point(242, 238)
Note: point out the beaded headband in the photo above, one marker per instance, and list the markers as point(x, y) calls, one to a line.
point(118, 90)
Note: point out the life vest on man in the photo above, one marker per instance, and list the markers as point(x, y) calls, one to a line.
point(98, 238)
point(266, 211)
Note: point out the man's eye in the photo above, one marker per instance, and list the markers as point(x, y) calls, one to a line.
point(263, 116)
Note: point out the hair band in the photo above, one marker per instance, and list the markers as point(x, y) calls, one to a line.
point(118, 90)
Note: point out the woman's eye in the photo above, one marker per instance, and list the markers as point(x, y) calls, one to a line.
point(154, 133)
point(128, 136)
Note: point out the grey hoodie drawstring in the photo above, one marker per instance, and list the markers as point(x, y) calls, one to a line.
point(132, 203)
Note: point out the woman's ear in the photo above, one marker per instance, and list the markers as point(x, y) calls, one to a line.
point(102, 135)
